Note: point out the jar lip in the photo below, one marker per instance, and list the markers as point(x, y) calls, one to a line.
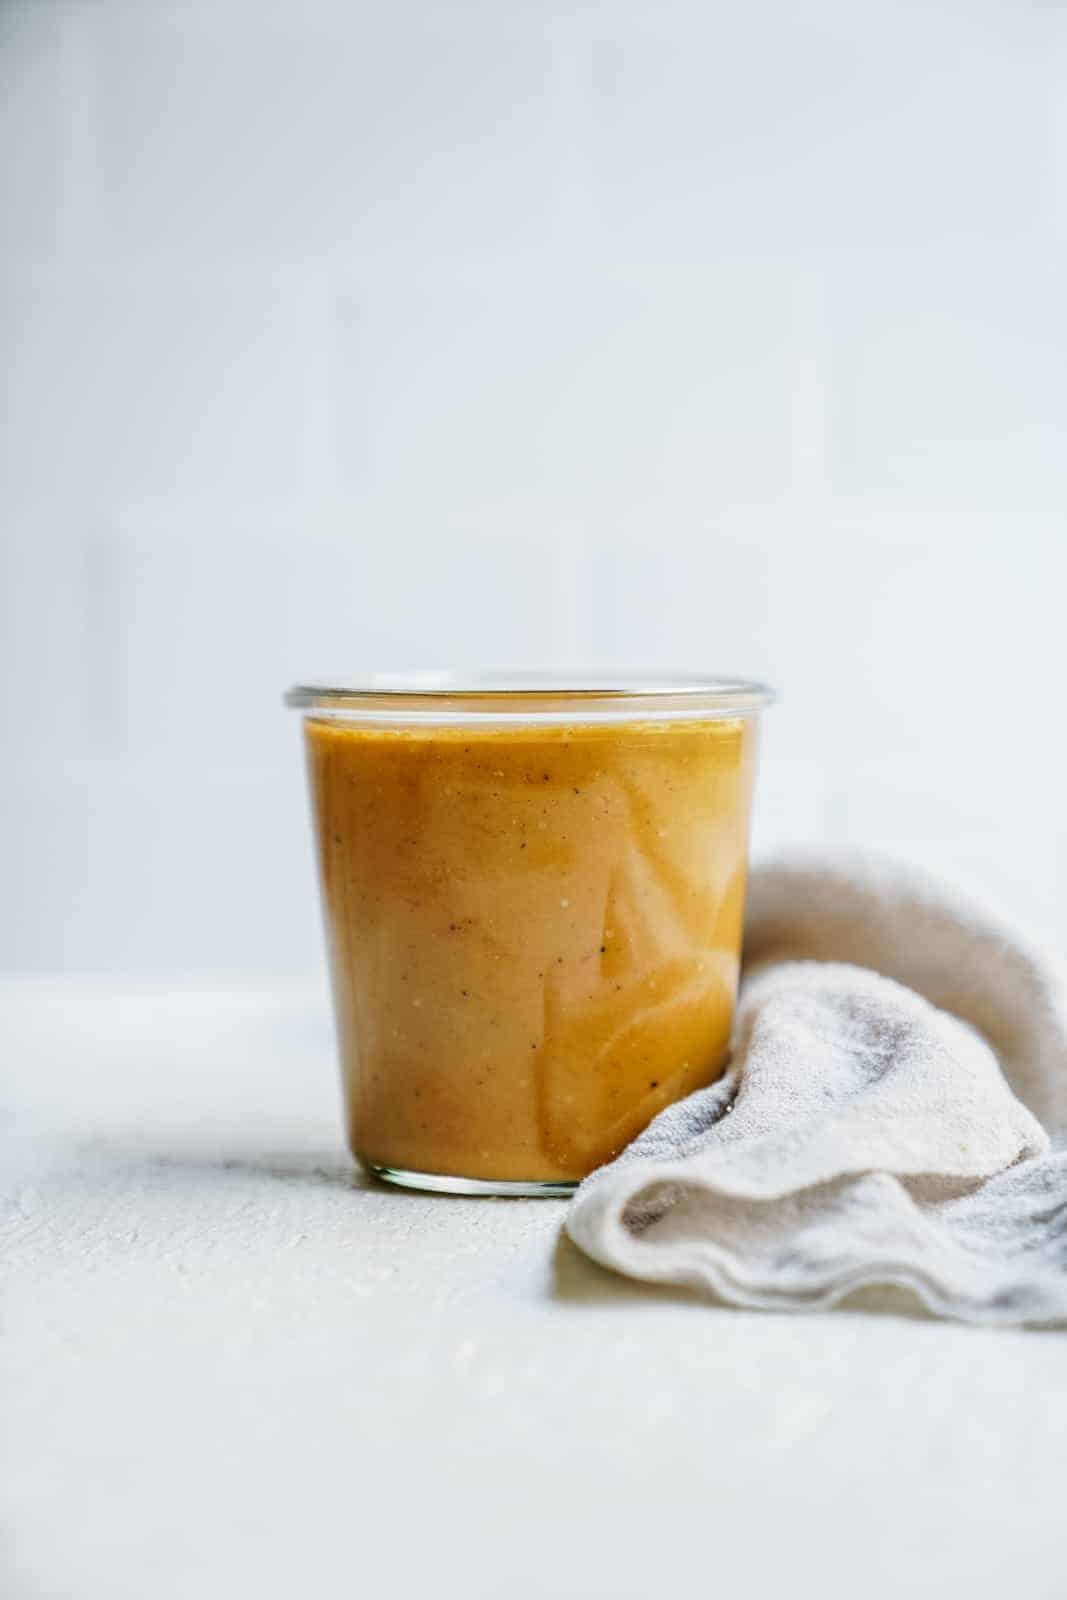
point(531, 696)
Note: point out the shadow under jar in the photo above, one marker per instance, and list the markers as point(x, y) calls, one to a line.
point(533, 898)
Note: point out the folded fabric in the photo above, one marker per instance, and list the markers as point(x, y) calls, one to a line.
point(899, 1063)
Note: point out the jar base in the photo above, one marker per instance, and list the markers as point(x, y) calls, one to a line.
point(443, 1183)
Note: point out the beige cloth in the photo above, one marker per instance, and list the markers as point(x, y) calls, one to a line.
point(899, 1062)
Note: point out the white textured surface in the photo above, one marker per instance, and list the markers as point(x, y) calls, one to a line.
point(232, 1368)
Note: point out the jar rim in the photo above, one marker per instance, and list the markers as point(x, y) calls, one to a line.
point(531, 696)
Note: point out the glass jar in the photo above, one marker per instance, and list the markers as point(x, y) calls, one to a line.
point(533, 897)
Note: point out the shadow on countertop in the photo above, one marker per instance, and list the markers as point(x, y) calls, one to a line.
point(313, 1166)
point(310, 1167)
point(579, 1281)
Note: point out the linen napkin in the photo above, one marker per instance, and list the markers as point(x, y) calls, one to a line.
point(899, 1062)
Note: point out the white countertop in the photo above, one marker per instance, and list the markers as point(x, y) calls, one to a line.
point(233, 1366)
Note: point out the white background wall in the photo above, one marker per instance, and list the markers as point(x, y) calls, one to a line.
point(537, 330)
